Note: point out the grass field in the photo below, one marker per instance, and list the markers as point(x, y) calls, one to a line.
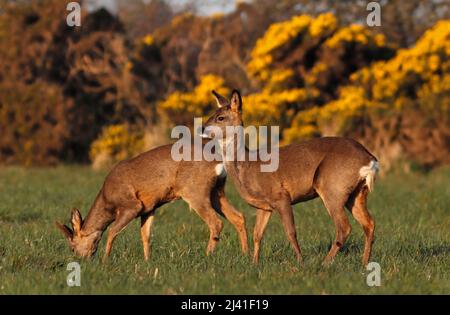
point(412, 243)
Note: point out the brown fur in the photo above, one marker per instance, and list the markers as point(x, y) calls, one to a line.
point(136, 187)
point(325, 167)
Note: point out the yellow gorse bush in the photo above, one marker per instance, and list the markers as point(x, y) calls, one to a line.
point(269, 107)
point(355, 33)
point(426, 63)
point(329, 119)
point(281, 98)
point(304, 27)
point(278, 35)
point(281, 34)
point(323, 25)
point(195, 103)
point(291, 96)
point(116, 143)
point(419, 75)
point(278, 79)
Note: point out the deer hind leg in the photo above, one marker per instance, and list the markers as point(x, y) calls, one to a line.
point(236, 218)
point(335, 206)
point(358, 208)
point(262, 218)
point(124, 215)
point(146, 226)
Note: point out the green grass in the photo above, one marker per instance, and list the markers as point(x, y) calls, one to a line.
point(412, 243)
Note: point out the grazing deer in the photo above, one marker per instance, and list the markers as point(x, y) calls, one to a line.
point(136, 187)
point(338, 170)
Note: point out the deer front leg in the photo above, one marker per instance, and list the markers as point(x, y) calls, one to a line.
point(146, 226)
point(123, 217)
point(287, 218)
point(207, 213)
point(236, 219)
point(215, 227)
point(262, 218)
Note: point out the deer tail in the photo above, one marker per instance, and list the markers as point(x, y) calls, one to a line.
point(368, 173)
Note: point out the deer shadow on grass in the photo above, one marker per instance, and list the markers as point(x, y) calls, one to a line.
point(421, 252)
point(350, 247)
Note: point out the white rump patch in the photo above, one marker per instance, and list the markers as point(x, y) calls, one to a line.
point(368, 173)
point(220, 170)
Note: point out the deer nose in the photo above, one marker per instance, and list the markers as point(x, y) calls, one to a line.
point(203, 133)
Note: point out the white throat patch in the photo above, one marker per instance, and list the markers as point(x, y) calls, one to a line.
point(220, 170)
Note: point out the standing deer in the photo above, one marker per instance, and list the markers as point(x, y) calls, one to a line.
point(338, 170)
point(136, 187)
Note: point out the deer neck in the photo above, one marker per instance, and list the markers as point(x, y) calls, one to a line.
point(98, 217)
point(92, 225)
point(233, 153)
point(234, 156)
point(243, 173)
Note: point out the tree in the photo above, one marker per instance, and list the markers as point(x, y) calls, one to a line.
point(60, 85)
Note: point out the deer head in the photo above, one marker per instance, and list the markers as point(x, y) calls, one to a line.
point(82, 244)
point(229, 113)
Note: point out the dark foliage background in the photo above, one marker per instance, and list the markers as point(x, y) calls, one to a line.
point(60, 86)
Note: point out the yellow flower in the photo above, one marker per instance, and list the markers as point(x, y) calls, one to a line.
point(148, 40)
point(434, 62)
point(380, 40)
point(355, 33)
point(324, 24)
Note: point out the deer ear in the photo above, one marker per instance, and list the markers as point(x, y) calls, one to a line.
point(236, 101)
point(221, 101)
point(65, 230)
point(77, 221)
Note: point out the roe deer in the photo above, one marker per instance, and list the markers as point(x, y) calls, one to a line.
point(338, 170)
point(136, 187)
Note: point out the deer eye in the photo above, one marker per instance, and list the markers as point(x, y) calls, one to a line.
point(221, 118)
